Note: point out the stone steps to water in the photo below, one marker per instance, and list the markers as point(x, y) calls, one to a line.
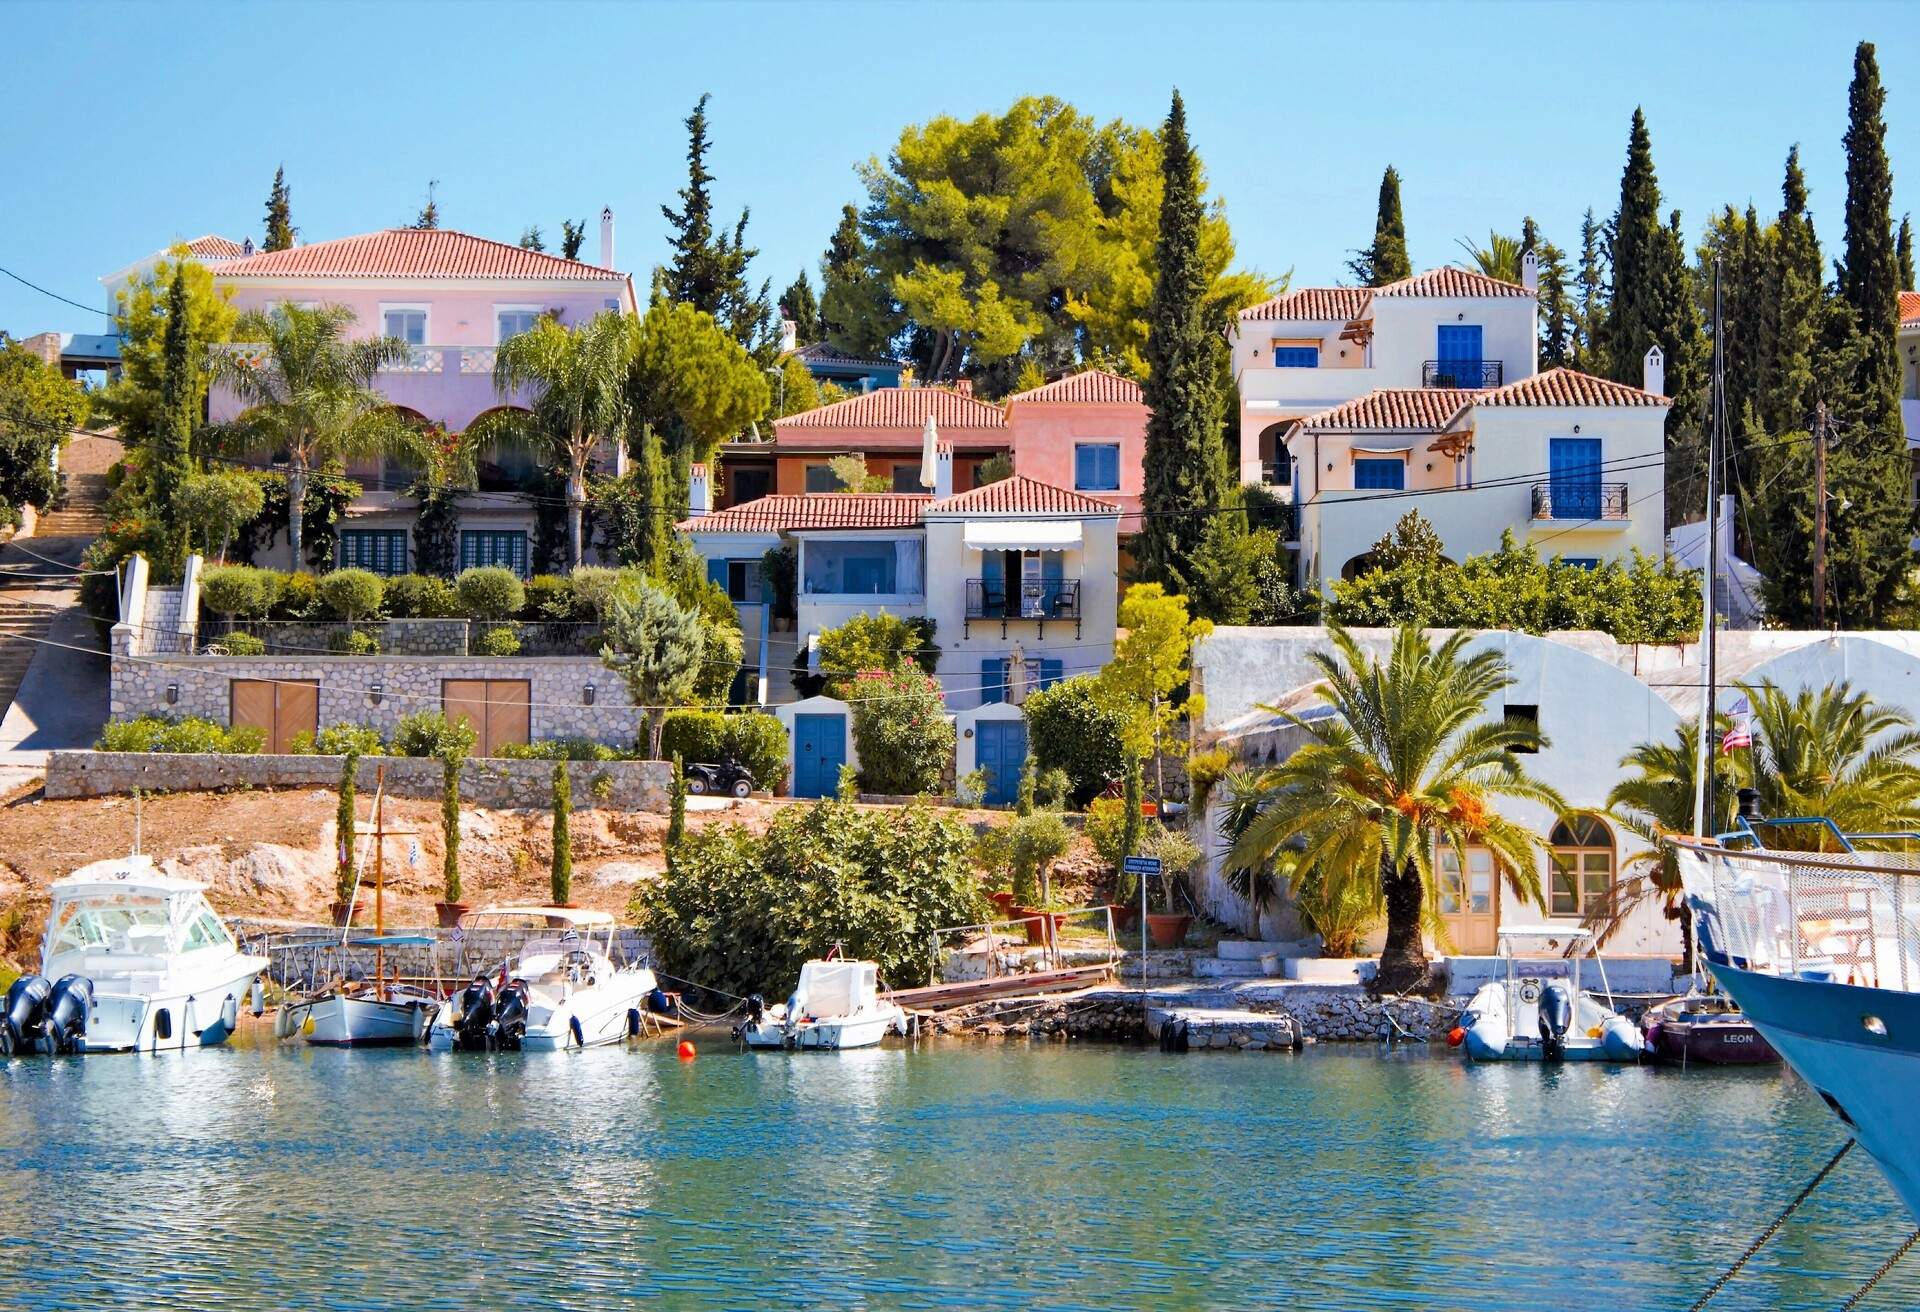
point(1225, 968)
point(1248, 949)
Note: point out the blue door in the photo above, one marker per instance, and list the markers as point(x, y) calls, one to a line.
point(1459, 355)
point(819, 750)
point(1574, 465)
point(1000, 748)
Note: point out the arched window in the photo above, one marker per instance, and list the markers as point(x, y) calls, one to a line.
point(1582, 865)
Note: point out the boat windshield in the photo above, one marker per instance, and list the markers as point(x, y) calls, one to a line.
point(559, 947)
point(120, 923)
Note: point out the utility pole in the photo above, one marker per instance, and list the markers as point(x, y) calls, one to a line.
point(1820, 514)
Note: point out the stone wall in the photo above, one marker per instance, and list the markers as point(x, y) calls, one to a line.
point(202, 687)
point(307, 957)
point(489, 782)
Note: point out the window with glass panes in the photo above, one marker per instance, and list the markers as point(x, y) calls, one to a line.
point(505, 547)
point(514, 322)
point(409, 325)
point(1582, 866)
point(383, 551)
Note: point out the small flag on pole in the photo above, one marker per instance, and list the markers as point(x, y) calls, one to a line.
point(1740, 734)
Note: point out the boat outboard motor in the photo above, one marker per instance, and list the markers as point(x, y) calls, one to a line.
point(1556, 1014)
point(473, 1015)
point(511, 1025)
point(25, 1015)
point(67, 1009)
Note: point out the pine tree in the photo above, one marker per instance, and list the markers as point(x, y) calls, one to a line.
point(1869, 274)
point(1903, 252)
point(532, 239)
point(1186, 472)
point(1385, 259)
point(853, 316)
point(280, 229)
point(708, 269)
point(798, 304)
point(429, 216)
point(1557, 312)
point(572, 235)
point(1590, 298)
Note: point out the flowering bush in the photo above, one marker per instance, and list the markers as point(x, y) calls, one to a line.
point(901, 730)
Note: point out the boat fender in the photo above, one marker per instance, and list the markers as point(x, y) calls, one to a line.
point(1456, 1036)
point(658, 1002)
point(573, 1029)
point(633, 1022)
point(67, 1009)
point(26, 1008)
point(230, 1013)
point(257, 998)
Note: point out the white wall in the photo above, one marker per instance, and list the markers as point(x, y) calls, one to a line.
point(1405, 336)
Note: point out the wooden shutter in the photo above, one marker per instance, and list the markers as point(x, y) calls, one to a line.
point(296, 711)
point(466, 699)
point(509, 713)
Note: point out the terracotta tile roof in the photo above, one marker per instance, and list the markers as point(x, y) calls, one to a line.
point(1910, 309)
point(777, 514)
point(1089, 385)
point(215, 247)
point(900, 407)
point(1394, 410)
point(1318, 304)
point(1020, 495)
point(1567, 387)
point(1449, 281)
point(822, 353)
point(415, 253)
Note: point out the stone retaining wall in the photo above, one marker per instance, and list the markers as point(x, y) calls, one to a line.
point(309, 956)
point(1108, 1015)
point(489, 781)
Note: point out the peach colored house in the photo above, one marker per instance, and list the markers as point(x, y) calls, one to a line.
point(886, 426)
point(1088, 432)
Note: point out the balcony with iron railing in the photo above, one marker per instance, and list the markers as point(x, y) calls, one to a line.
point(1035, 601)
point(1471, 374)
point(1573, 499)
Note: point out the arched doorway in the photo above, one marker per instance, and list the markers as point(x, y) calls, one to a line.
point(1276, 466)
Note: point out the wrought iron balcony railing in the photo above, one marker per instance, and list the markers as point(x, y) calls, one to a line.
point(1577, 500)
point(1474, 374)
point(1037, 600)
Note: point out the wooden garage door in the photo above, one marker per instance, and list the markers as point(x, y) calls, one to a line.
point(500, 710)
point(279, 708)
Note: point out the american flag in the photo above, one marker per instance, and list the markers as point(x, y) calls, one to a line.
point(1740, 734)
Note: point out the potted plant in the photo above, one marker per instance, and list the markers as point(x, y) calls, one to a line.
point(1178, 854)
point(346, 907)
point(1034, 842)
point(429, 733)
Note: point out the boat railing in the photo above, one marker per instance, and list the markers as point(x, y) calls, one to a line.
point(1848, 917)
point(1007, 945)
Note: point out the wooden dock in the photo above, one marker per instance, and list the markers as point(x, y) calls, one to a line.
point(935, 997)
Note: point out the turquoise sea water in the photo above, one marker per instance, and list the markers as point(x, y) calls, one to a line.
point(957, 1175)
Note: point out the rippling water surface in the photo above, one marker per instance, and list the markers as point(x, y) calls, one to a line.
point(964, 1175)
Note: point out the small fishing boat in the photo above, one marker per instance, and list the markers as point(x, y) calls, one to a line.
point(560, 990)
point(1539, 1017)
point(141, 963)
point(835, 1005)
point(1708, 1029)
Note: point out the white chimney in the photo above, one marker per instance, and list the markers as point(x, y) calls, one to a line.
point(1530, 271)
point(1654, 378)
point(606, 237)
point(943, 473)
point(789, 336)
point(699, 492)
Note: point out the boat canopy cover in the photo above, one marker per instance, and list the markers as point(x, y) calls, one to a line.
point(837, 988)
point(576, 916)
point(394, 941)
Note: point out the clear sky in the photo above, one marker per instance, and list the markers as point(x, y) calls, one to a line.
point(128, 125)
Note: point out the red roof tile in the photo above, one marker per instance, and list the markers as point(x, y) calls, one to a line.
point(1560, 387)
point(215, 247)
point(415, 253)
point(1317, 304)
point(1394, 410)
point(1095, 386)
point(900, 407)
point(1909, 309)
point(777, 514)
point(1450, 281)
point(1020, 495)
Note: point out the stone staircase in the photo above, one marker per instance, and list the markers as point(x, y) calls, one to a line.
point(1248, 959)
point(22, 624)
point(83, 515)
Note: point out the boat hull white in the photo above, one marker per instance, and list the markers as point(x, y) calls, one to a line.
point(591, 1017)
point(1497, 1033)
point(832, 1034)
point(170, 1021)
point(339, 1021)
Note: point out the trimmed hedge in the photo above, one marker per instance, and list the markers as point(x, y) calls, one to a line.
point(755, 739)
point(153, 733)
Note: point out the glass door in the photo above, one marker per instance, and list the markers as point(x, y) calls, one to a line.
point(1469, 902)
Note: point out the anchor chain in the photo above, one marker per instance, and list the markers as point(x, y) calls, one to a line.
point(1773, 1229)
point(1885, 1267)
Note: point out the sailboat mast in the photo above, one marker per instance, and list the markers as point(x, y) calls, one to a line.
point(380, 879)
point(1703, 750)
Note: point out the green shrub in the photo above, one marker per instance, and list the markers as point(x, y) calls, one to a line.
point(694, 736)
point(295, 596)
point(353, 642)
point(549, 598)
point(237, 590)
point(742, 912)
point(430, 733)
point(490, 592)
point(351, 594)
point(342, 739)
point(560, 749)
point(154, 733)
point(876, 641)
point(1070, 727)
point(237, 644)
point(903, 735)
point(594, 587)
point(755, 739)
point(422, 597)
point(497, 640)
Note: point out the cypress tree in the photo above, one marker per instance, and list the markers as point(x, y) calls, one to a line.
point(676, 811)
point(1557, 314)
point(1869, 274)
point(1784, 390)
point(571, 236)
point(343, 820)
point(170, 460)
point(280, 229)
point(562, 873)
point(798, 304)
point(1903, 252)
point(1385, 260)
point(1186, 473)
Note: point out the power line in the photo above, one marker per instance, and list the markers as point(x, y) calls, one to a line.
point(94, 309)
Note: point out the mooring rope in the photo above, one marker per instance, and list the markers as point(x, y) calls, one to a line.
point(1774, 1229)
point(1885, 1267)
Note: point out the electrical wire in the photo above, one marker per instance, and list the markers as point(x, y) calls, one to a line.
point(91, 309)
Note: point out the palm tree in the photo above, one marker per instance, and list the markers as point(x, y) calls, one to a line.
point(579, 380)
point(1406, 761)
point(1831, 751)
point(309, 394)
point(1652, 802)
point(1499, 258)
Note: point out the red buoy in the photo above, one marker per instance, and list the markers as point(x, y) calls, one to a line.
point(686, 1050)
point(1455, 1037)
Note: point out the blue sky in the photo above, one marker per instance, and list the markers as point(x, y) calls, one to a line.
point(130, 125)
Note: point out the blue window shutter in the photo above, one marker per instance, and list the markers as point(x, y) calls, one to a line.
point(993, 680)
point(1083, 466)
point(1381, 475)
point(717, 572)
point(1051, 671)
point(1111, 468)
point(1296, 357)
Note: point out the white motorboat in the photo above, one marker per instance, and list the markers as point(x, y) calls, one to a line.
point(1533, 1016)
point(835, 1005)
point(140, 962)
point(561, 989)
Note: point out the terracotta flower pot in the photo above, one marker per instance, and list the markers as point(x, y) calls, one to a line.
point(340, 910)
point(1002, 903)
point(1167, 931)
point(1125, 916)
point(1042, 927)
point(448, 913)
